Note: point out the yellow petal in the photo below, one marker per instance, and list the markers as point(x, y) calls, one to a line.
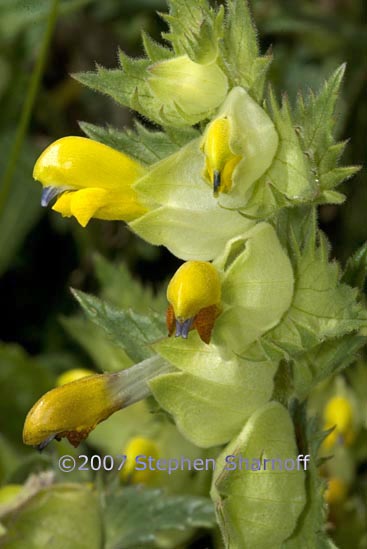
point(63, 205)
point(86, 203)
point(194, 286)
point(99, 203)
point(79, 163)
point(81, 204)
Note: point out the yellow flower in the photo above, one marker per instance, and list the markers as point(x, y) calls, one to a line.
point(338, 412)
point(220, 161)
point(194, 295)
point(138, 446)
point(73, 375)
point(71, 410)
point(74, 409)
point(93, 180)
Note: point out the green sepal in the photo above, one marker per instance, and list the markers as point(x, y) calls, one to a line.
point(154, 50)
point(260, 508)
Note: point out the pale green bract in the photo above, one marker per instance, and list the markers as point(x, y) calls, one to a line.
point(259, 508)
point(210, 398)
point(253, 137)
point(257, 288)
point(187, 219)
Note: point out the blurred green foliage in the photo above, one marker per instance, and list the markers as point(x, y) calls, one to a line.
point(43, 333)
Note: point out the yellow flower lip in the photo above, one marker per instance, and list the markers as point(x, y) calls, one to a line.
point(89, 179)
point(71, 410)
point(194, 295)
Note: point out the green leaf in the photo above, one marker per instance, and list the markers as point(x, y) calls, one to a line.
point(134, 516)
point(131, 331)
point(240, 52)
point(356, 268)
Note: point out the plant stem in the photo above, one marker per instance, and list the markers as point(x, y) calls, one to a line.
point(26, 113)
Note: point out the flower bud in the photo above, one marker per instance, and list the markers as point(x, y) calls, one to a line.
point(339, 413)
point(220, 160)
point(193, 88)
point(138, 446)
point(194, 296)
point(336, 491)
